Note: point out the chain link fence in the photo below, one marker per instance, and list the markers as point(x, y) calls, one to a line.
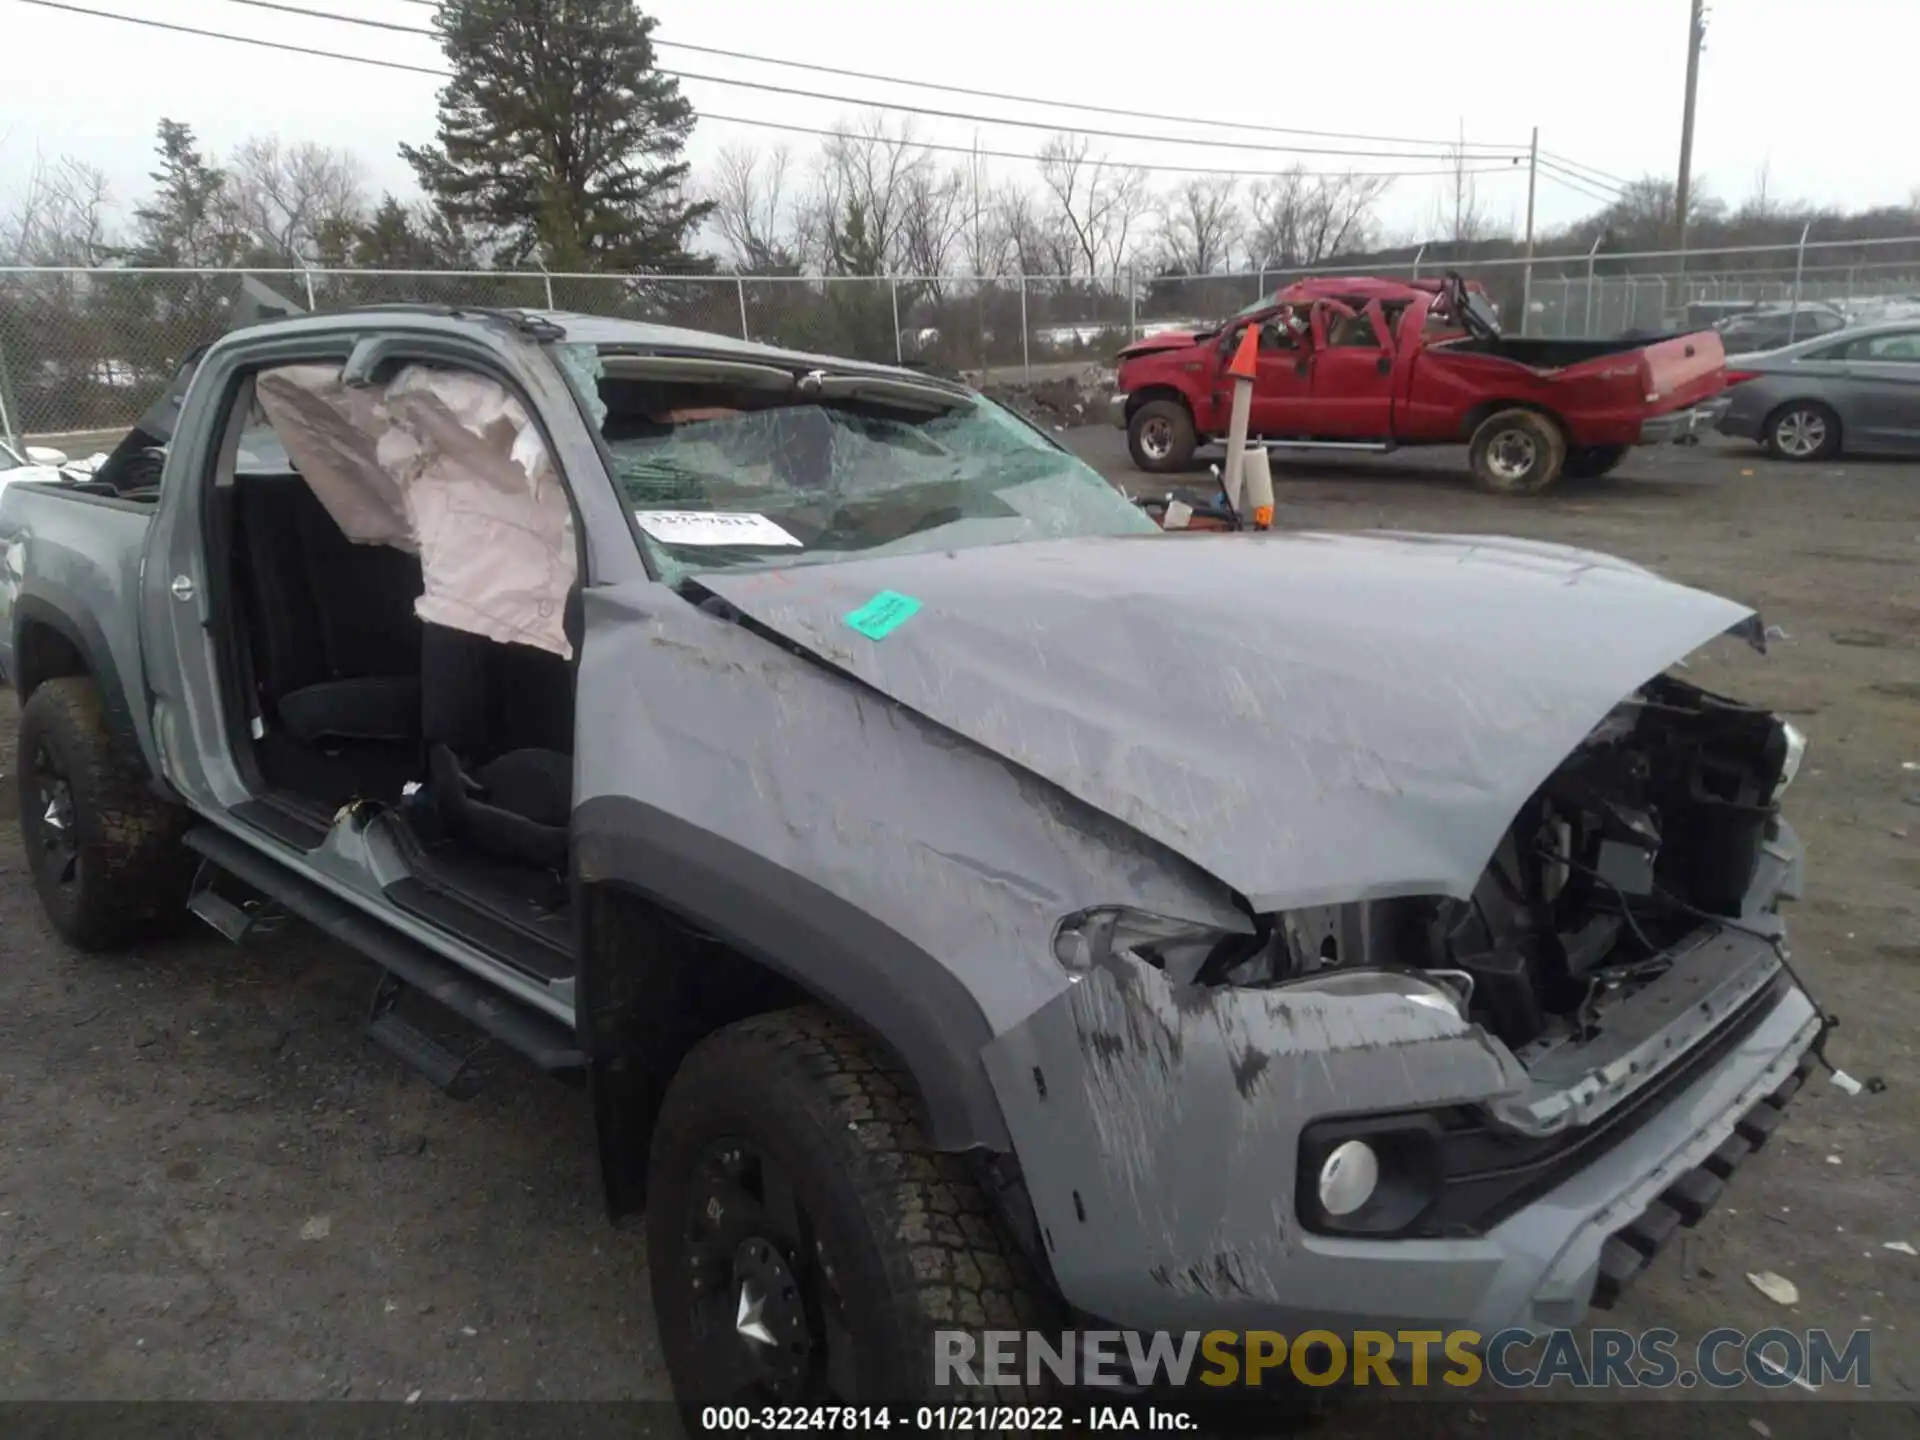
point(83, 352)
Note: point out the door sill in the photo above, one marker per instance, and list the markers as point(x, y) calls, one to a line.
point(515, 914)
point(289, 823)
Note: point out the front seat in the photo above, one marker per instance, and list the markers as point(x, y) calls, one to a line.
point(498, 721)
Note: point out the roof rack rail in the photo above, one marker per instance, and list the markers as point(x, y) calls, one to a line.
point(532, 324)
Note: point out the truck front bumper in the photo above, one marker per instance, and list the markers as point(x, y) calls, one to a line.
point(1682, 424)
point(1160, 1137)
point(1117, 409)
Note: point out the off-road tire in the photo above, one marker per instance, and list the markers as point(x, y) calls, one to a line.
point(1772, 433)
point(127, 873)
point(1146, 427)
point(1503, 433)
point(914, 1244)
point(1590, 462)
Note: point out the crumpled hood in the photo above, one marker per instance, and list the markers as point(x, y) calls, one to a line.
point(1163, 340)
point(1314, 718)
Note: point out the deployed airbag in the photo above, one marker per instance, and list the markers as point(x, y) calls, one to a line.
point(449, 465)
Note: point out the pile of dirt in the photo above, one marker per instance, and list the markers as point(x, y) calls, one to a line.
point(1058, 402)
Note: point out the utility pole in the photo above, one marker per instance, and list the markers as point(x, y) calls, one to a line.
point(1683, 186)
point(1526, 275)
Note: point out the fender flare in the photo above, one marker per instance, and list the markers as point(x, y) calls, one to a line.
point(51, 606)
point(807, 935)
point(1160, 390)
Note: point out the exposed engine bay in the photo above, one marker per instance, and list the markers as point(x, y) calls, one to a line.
point(1650, 832)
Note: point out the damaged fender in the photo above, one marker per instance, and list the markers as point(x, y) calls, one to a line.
point(879, 862)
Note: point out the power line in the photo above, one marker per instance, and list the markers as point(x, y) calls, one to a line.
point(240, 39)
point(779, 125)
point(1598, 176)
point(1122, 111)
point(1559, 177)
point(766, 87)
point(1611, 193)
point(1487, 145)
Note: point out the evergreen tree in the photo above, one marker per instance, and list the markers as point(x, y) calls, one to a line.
point(558, 139)
point(184, 222)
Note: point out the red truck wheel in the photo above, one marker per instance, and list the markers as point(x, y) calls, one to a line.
point(1516, 452)
point(1160, 436)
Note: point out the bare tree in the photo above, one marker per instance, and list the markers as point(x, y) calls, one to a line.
point(1644, 213)
point(1101, 204)
point(1301, 219)
point(753, 208)
point(855, 218)
point(284, 199)
point(1760, 204)
point(932, 223)
point(1038, 240)
point(62, 217)
point(1200, 224)
point(984, 240)
point(1459, 216)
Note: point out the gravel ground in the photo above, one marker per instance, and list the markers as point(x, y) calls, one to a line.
point(213, 1187)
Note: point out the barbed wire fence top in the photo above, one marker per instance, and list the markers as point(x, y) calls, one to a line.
point(84, 351)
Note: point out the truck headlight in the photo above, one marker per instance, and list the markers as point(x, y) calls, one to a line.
point(1796, 751)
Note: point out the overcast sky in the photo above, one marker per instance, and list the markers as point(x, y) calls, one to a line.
point(1822, 95)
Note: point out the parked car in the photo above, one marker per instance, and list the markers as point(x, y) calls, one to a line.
point(1704, 314)
point(678, 710)
point(1770, 328)
point(1365, 364)
point(1856, 392)
point(43, 463)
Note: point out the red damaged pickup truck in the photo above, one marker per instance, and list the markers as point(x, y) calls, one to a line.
point(1372, 365)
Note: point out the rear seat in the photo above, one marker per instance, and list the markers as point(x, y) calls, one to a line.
point(335, 642)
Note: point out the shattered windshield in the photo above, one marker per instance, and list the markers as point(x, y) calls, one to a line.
point(783, 471)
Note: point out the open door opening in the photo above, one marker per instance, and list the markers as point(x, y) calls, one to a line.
point(404, 617)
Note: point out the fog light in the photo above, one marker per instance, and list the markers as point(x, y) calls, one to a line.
point(1348, 1177)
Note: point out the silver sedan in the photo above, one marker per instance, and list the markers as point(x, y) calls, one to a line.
point(1858, 390)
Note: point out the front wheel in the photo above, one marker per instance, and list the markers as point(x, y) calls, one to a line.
point(1590, 462)
point(1160, 436)
point(1802, 430)
point(805, 1241)
point(1517, 452)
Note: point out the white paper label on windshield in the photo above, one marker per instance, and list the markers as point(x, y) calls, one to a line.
point(711, 527)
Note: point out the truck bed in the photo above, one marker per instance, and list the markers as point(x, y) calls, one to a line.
point(1551, 354)
point(72, 560)
point(1674, 372)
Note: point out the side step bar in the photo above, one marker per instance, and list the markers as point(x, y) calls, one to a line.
point(443, 1069)
point(548, 1043)
point(1346, 447)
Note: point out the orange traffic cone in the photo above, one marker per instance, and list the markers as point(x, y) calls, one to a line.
point(1246, 359)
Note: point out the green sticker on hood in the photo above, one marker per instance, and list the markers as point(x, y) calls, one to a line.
point(883, 614)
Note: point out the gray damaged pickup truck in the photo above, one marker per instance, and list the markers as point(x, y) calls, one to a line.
point(964, 905)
